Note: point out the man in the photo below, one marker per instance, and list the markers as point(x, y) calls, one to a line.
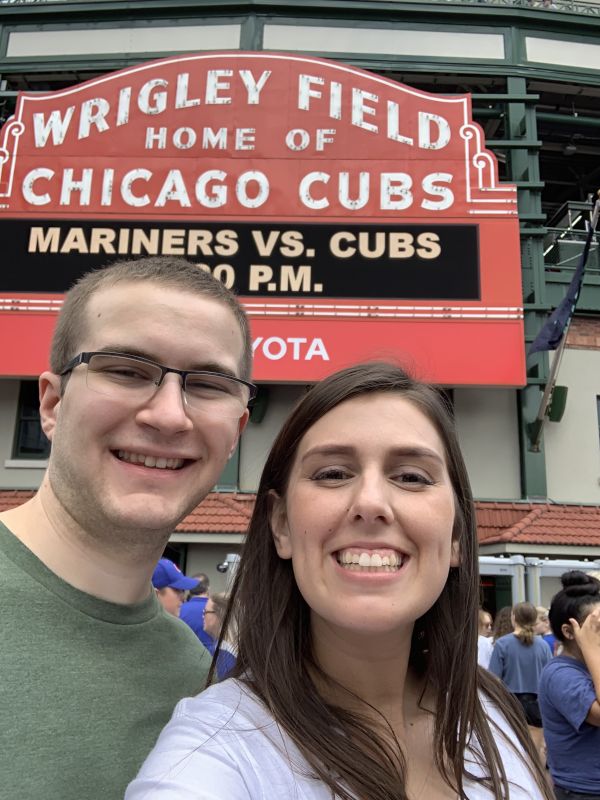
point(171, 585)
point(91, 664)
point(192, 611)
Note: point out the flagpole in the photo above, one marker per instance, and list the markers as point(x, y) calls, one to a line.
point(537, 426)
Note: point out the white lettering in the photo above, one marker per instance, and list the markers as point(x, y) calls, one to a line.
point(305, 90)
point(426, 120)
point(443, 192)
point(56, 125)
point(359, 109)
point(218, 196)
point(214, 86)
point(69, 185)
point(126, 187)
point(181, 93)
point(149, 105)
point(253, 86)
point(305, 186)
point(160, 138)
point(241, 189)
point(41, 173)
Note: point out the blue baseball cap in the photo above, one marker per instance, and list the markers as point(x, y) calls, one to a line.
point(167, 573)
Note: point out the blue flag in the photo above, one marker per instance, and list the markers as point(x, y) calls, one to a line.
point(552, 332)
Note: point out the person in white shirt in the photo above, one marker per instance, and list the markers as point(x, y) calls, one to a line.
point(356, 601)
point(484, 639)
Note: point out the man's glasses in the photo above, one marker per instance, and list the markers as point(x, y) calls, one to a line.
point(136, 379)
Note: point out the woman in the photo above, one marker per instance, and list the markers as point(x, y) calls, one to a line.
point(356, 599)
point(502, 624)
point(214, 616)
point(542, 628)
point(518, 659)
point(570, 690)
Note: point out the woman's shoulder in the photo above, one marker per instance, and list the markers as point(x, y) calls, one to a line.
point(229, 700)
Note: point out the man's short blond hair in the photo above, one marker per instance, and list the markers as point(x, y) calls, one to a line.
point(172, 273)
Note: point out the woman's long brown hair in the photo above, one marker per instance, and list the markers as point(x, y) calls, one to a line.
point(347, 750)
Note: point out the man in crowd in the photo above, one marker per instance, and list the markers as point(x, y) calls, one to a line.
point(171, 584)
point(143, 404)
point(192, 611)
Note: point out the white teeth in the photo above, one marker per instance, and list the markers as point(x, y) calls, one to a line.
point(150, 461)
point(371, 561)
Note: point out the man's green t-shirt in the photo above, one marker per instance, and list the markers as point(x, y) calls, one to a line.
point(85, 685)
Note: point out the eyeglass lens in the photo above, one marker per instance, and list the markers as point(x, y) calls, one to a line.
point(130, 379)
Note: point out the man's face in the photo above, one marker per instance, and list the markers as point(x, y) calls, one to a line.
point(170, 599)
point(93, 470)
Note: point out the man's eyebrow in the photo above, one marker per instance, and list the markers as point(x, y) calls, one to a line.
point(202, 366)
point(410, 451)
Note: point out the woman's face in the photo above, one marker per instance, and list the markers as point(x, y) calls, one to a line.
point(485, 624)
point(368, 515)
point(211, 622)
point(542, 625)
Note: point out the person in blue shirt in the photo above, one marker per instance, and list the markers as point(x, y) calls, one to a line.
point(542, 628)
point(192, 611)
point(569, 692)
point(214, 617)
point(518, 659)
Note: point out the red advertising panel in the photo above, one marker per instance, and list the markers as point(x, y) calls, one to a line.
point(355, 217)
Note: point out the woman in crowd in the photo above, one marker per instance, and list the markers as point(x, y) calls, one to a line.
point(356, 599)
point(502, 624)
point(214, 616)
point(484, 639)
point(518, 659)
point(570, 690)
point(542, 628)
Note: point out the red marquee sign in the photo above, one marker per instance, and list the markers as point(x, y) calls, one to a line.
point(355, 217)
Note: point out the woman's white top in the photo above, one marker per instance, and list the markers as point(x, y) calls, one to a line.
point(224, 745)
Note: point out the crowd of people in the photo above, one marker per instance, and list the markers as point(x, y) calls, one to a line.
point(344, 661)
point(550, 662)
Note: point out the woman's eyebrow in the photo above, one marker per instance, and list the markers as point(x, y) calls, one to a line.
point(410, 451)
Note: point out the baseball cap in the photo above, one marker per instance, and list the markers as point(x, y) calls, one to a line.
point(167, 573)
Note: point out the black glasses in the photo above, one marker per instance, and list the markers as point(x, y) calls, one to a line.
point(135, 379)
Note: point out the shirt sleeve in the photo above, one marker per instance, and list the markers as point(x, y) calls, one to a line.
point(191, 760)
point(571, 692)
point(497, 660)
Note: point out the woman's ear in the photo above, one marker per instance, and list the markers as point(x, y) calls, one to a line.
point(279, 525)
point(567, 631)
point(455, 553)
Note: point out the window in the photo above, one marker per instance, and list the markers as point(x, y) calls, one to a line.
point(30, 440)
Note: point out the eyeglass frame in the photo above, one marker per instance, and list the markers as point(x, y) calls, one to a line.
point(85, 357)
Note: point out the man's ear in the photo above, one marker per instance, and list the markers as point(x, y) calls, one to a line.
point(455, 553)
point(243, 421)
point(279, 525)
point(50, 397)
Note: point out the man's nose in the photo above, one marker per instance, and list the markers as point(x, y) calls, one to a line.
point(167, 409)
